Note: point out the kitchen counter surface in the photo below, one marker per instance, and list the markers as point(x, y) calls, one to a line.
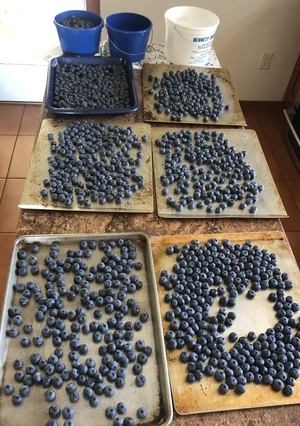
point(63, 222)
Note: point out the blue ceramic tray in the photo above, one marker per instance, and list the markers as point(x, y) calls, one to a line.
point(94, 61)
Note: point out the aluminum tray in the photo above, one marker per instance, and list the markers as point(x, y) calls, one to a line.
point(269, 202)
point(94, 61)
point(252, 315)
point(154, 395)
point(140, 202)
point(233, 117)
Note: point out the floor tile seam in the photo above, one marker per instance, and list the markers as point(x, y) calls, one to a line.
point(283, 171)
point(15, 142)
point(3, 189)
point(262, 129)
point(16, 178)
point(20, 130)
point(274, 158)
point(292, 195)
point(11, 156)
point(288, 189)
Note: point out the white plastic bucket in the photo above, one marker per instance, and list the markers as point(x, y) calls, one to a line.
point(190, 32)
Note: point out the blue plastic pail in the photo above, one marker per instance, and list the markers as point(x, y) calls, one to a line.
point(128, 35)
point(80, 41)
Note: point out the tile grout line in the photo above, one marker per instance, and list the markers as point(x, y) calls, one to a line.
point(11, 159)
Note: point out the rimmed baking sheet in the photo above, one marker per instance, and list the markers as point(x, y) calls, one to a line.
point(140, 201)
point(252, 315)
point(154, 396)
point(269, 202)
point(233, 117)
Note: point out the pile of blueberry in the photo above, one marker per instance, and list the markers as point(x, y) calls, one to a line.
point(72, 298)
point(95, 162)
point(85, 86)
point(77, 22)
point(207, 171)
point(182, 93)
point(221, 273)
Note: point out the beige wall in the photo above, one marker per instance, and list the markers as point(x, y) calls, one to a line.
point(248, 28)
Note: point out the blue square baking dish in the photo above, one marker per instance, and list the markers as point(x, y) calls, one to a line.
point(91, 85)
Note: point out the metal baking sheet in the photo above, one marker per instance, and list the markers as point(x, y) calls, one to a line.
point(252, 315)
point(140, 202)
point(154, 396)
point(233, 117)
point(95, 61)
point(269, 202)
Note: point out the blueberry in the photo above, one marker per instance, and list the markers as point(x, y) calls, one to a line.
point(73, 396)
point(94, 401)
point(50, 395)
point(141, 413)
point(121, 408)
point(67, 412)
point(38, 340)
point(54, 411)
point(109, 391)
point(240, 389)
point(110, 412)
point(52, 422)
point(18, 364)
point(25, 341)
point(12, 332)
point(128, 421)
point(8, 389)
point(140, 380)
point(288, 390)
point(232, 337)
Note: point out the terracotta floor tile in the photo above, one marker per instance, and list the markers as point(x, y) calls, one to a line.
point(251, 119)
point(292, 223)
point(7, 144)
point(6, 246)
point(284, 159)
point(2, 183)
point(10, 118)
point(254, 124)
point(9, 210)
point(21, 157)
point(268, 108)
point(272, 128)
point(30, 119)
point(247, 106)
point(294, 240)
point(294, 187)
point(271, 160)
point(271, 118)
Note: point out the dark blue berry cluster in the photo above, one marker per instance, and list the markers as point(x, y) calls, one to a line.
point(94, 162)
point(83, 86)
point(219, 273)
point(207, 172)
point(182, 93)
point(77, 22)
point(69, 290)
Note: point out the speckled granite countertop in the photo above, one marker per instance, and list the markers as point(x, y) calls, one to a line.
point(62, 222)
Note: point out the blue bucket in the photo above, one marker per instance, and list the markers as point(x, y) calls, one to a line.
point(128, 35)
point(80, 41)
